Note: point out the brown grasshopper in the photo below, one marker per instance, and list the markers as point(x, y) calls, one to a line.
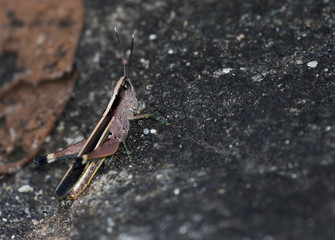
point(104, 140)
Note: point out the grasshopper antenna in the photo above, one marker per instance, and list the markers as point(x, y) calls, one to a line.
point(124, 62)
point(131, 52)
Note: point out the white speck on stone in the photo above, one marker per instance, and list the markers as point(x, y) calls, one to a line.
point(312, 64)
point(4, 219)
point(223, 71)
point(328, 128)
point(26, 210)
point(293, 175)
point(171, 65)
point(287, 142)
point(153, 131)
point(138, 198)
point(159, 176)
point(257, 78)
point(145, 63)
point(197, 217)
point(25, 188)
point(176, 191)
point(299, 62)
point(96, 58)
point(60, 126)
point(146, 131)
point(152, 37)
point(170, 51)
point(240, 37)
point(188, 64)
point(110, 222)
point(13, 237)
point(226, 70)
point(183, 229)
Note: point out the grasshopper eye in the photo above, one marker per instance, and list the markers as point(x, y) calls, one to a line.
point(126, 85)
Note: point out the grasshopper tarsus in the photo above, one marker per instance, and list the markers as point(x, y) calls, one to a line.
point(160, 121)
point(127, 151)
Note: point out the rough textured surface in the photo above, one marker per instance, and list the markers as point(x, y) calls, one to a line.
point(250, 153)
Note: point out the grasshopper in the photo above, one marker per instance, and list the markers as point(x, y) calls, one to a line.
point(104, 140)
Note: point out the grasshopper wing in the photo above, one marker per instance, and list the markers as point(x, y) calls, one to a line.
point(75, 172)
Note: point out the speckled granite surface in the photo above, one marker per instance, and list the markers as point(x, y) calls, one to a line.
point(249, 89)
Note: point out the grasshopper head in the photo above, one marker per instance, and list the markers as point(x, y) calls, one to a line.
point(129, 94)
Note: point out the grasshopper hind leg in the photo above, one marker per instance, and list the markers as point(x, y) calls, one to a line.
point(65, 154)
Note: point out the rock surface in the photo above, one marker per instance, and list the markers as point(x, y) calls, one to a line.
point(251, 146)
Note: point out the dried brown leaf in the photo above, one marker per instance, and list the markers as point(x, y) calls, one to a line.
point(43, 35)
